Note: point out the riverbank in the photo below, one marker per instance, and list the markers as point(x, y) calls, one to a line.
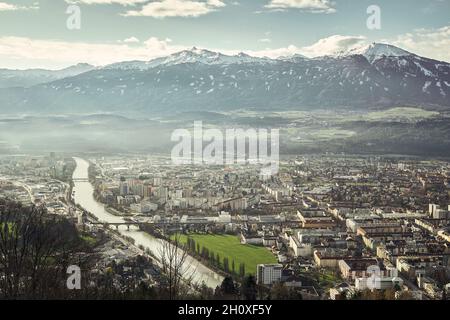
point(84, 197)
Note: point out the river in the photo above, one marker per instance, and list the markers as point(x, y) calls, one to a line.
point(84, 196)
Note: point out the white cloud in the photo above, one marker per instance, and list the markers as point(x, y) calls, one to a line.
point(7, 7)
point(176, 8)
point(131, 40)
point(430, 43)
point(35, 53)
point(326, 46)
point(314, 6)
point(32, 53)
point(274, 53)
point(332, 45)
point(216, 3)
point(12, 7)
point(121, 2)
point(51, 54)
point(265, 40)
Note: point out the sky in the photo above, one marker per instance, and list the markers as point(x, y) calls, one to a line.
point(45, 33)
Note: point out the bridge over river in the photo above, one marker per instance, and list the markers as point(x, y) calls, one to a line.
point(141, 224)
point(84, 197)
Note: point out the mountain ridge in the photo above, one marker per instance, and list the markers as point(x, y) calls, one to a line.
point(30, 77)
point(376, 76)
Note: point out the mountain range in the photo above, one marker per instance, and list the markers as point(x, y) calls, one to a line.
point(31, 77)
point(370, 77)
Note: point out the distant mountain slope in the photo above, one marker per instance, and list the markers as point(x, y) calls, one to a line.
point(378, 75)
point(28, 78)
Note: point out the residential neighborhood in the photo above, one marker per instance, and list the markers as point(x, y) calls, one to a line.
point(325, 227)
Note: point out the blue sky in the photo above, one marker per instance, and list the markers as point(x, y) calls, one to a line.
point(33, 33)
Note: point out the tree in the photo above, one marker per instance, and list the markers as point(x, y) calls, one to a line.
point(226, 266)
point(35, 251)
point(249, 288)
point(233, 267)
point(227, 289)
point(176, 266)
point(190, 244)
point(242, 270)
point(206, 293)
point(205, 253)
point(144, 292)
point(193, 246)
point(218, 260)
point(279, 291)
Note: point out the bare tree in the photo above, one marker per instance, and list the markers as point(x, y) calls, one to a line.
point(35, 250)
point(177, 267)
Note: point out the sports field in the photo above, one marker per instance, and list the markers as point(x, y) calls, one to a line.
point(229, 246)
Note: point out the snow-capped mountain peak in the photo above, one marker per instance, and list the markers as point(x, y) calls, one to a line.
point(198, 79)
point(375, 51)
point(196, 55)
point(193, 55)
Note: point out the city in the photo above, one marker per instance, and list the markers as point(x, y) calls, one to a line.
point(325, 227)
point(225, 158)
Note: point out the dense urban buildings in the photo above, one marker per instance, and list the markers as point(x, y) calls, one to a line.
point(325, 227)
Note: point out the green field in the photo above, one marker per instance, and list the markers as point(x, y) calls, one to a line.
point(230, 247)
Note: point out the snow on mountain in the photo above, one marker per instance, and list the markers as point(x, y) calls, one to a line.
point(293, 58)
point(200, 56)
point(377, 75)
point(375, 51)
point(194, 55)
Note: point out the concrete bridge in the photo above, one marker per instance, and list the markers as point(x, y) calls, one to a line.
point(118, 224)
point(141, 224)
point(178, 223)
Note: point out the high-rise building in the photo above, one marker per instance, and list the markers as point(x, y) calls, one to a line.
point(123, 188)
point(268, 274)
point(432, 208)
point(436, 212)
point(163, 193)
point(147, 191)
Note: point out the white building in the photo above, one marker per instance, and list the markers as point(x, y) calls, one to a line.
point(436, 212)
point(224, 217)
point(300, 249)
point(379, 283)
point(268, 274)
point(144, 207)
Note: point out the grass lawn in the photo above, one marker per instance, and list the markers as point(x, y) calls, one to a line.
point(327, 279)
point(230, 246)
